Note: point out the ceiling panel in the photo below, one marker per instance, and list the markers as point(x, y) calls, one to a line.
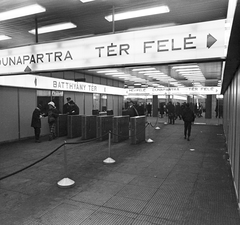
point(89, 18)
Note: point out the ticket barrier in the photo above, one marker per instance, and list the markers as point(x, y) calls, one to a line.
point(61, 125)
point(120, 128)
point(74, 125)
point(104, 125)
point(137, 130)
point(89, 127)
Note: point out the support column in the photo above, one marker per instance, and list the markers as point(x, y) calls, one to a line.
point(208, 113)
point(155, 105)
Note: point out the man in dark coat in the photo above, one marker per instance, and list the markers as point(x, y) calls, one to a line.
point(171, 113)
point(67, 106)
point(188, 117)
point(36, 122)
point(74, 109)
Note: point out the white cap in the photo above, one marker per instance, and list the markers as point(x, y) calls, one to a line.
point(52, 104)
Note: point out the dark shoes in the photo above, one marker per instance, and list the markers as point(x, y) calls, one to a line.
point(187, 138)
point(37, 141)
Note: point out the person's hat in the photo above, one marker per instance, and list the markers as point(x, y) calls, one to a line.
point(52, 104)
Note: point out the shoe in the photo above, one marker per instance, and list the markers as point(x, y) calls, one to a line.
point(185, 137)
point(37, 141)
point(188, 139)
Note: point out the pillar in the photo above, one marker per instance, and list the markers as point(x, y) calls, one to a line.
point(155, 105)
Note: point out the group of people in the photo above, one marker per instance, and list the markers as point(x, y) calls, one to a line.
point(183, 112)
point(70, 108)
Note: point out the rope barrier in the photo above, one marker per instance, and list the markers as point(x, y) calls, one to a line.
point(68, 143)
point(18, 171)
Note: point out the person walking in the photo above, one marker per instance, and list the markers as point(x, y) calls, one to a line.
point(52, 119)
point(36, 122)
point(188, 117)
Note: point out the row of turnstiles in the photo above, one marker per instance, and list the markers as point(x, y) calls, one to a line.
point(99, 126)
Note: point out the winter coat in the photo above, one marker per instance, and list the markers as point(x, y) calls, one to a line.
point(36, 121)
point(188, 115)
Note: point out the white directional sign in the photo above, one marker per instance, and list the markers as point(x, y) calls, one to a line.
point(175, 91)
point(171, 44)
point(56, 84)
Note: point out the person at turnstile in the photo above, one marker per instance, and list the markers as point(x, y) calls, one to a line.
point(36, 122)
point(52, 114)
point(132, 111)
point(67, 106)
point(74, 109)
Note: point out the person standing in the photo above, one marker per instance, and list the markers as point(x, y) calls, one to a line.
point(171, 113)
point(52, 119)
point(74, 109)
point(188, 117)
point(67, 106)
point(36, 122)
point(132, 111)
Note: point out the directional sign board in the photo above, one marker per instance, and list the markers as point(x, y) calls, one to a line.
point(56, 84)
point(161, 45)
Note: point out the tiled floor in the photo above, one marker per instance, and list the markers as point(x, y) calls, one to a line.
point(170, 181)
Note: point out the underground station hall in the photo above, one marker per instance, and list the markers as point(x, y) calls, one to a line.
point(120, 112)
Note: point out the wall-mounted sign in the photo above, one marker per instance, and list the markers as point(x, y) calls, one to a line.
point(57, 85)
point(170, 44)
point(176, 91)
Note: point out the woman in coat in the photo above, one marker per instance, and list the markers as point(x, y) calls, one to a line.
point(36, 122)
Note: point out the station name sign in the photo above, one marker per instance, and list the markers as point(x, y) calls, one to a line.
point(161, 45)
point(55, 84)
point(176, 91)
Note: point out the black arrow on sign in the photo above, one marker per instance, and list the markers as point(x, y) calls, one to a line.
point(27, 69)
point(210, 40)
point(35, 81)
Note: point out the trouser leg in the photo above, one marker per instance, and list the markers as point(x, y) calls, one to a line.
point(37, 131)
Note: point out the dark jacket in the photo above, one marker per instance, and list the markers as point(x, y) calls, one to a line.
point(36, 121)
point(52, 115)
point(74, 110)
point(188, 115)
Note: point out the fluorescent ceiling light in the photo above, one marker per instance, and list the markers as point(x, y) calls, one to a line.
point(185, 67)
point(138, 13)
point(52, 28)
point(21, 12)
point(84, 1)
point(105, 71)
point(143, 69)
point(4, 37)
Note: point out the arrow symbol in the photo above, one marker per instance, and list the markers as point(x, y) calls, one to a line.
point(27, 69)
point(35, 81)
point(210, 40)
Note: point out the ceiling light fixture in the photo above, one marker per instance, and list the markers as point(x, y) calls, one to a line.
point(53, 28)
point(138, 13)
point(143, 69)
point(84, 1)
point(21, 12)
point(4, 37)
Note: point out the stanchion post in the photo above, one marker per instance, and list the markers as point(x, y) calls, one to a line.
point(157, 127)
point(109, 159)
point(65, 182)
point(149, 140)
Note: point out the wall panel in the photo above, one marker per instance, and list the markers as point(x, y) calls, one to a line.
point(27, 103)
point(88, 104)
point(9, 115)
